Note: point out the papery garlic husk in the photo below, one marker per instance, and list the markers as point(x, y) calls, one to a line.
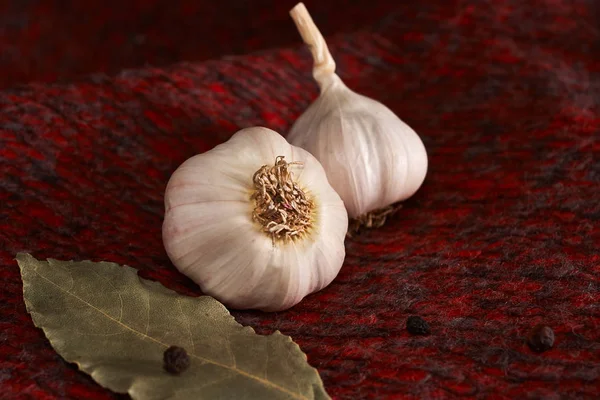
point(371, 157)
point(216, 232)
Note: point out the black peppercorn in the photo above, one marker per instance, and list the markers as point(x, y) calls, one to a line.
point(176, 360)
point(417, 326)
point(541, 338)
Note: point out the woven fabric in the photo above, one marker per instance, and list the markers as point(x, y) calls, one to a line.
point(503, 235)
point(50, 40)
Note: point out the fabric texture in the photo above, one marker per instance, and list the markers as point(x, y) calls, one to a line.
point(504, 233)
point(57, 40)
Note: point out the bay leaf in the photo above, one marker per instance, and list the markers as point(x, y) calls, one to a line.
point(115, 326)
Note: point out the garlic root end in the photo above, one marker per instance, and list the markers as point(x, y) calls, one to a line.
point(372, 220)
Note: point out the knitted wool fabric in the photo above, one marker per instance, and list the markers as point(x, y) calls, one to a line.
point(503, 234)
point(49, 40)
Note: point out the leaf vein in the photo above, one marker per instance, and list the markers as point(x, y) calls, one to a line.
point(188, 325)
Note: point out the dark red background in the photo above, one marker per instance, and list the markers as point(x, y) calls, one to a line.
point(504, 233)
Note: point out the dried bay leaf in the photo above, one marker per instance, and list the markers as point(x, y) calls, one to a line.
point(115, 326)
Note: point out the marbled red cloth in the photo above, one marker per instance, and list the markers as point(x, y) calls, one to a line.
point(50, 40)
point(504, 233)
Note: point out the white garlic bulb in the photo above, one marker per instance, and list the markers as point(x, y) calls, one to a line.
point(254, 222)
point(371, 157)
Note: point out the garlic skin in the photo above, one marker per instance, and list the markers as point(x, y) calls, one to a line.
point(372, 158)
point(210, 234)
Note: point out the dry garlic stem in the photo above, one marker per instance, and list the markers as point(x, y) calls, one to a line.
point(250, 232)
point(324, 65)
point(371, 157)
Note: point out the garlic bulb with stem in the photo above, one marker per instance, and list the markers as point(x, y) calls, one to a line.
point(371, 157)
point(254, 222)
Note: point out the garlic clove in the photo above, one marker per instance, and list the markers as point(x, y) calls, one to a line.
point(211, 236)
point(372, 158)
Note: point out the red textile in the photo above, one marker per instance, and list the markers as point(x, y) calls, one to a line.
point(504, 233)
point(49, 40)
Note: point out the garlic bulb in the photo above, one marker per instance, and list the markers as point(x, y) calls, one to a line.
point(371, 157)
point(254, 222)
